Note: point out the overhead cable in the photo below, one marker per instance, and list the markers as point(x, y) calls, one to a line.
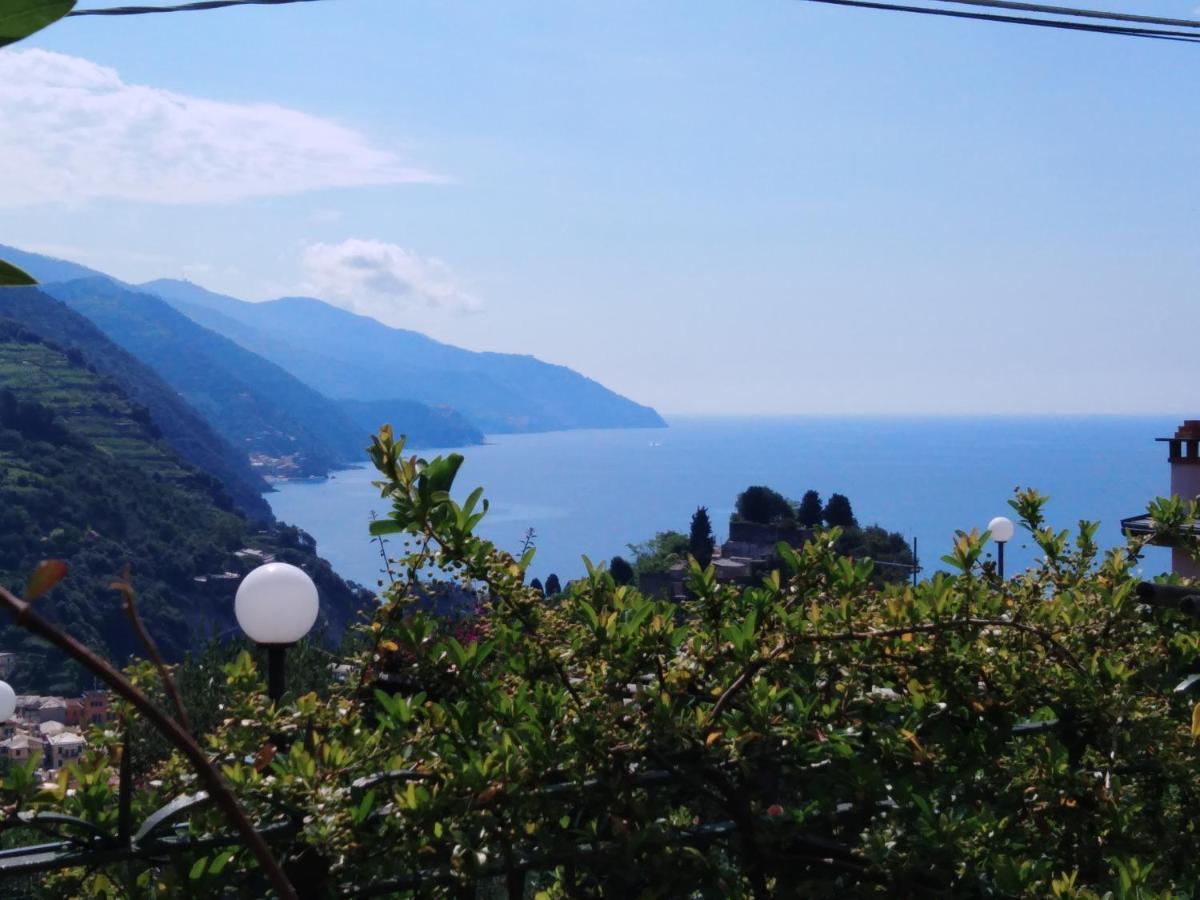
point(1170, 32)
point(1080, 13)
point(1094, 27)
point(182, 7)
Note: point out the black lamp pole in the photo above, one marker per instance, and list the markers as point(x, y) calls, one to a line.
point(276, 671)
point(1000, 557)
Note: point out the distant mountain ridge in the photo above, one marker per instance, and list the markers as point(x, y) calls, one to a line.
point(181, 426)
point(348, 356)
point(297, 385)
point(253, 404)
point(282, 425)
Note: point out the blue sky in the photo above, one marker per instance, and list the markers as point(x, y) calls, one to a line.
point(767, 207)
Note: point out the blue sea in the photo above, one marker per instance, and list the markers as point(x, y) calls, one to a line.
point(594, 492)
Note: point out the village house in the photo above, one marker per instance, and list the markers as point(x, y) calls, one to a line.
point(95, 708)
point(63, 748)
point(49, 729)
point(20, 748)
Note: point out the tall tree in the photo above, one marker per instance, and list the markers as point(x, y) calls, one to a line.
point(537, 586)
point(759, 503)
point(700, 541)
point(659, 553)
point(621, 570)
point(553, 587)
point(838, 512)
point(810, 513)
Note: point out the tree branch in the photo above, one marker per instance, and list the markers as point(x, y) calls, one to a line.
point(126, 590)
point(24, 615)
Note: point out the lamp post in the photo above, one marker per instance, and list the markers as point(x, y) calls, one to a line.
point(1002, 530)
point(8, 701)
point(276, 605)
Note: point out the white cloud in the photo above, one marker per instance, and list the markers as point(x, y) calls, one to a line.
point(72, 130)
point(382, 280)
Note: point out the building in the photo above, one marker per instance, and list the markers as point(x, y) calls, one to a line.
point(95, 708)
point(63, 748)
point(20, 748)
point(1183, 455)
point(52, 709)
point(48, 729)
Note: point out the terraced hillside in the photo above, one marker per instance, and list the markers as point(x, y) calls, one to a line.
point(181, 427)
point(86, 477)
point(260, 409)
point(96, 410)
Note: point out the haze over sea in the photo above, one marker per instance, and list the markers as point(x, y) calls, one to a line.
point(594, 492)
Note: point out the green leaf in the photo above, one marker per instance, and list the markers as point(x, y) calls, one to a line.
point(364, 808)
point(198, 868)
point(385, 526)
point(19, 19)
point(221, 861)
point(439, 474)
point(589, 613)
point(11, 276)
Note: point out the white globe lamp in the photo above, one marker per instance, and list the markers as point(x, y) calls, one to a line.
point(276, 605)
point(1002, 530)
point(8, 701)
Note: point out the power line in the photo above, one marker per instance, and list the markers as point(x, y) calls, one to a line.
point(1169, 33)
point(1094, 27)
point(1080, 13)
point(183, 7)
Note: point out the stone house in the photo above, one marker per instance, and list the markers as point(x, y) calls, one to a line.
point(52, 709)
point(20, 748)
point(64, 748)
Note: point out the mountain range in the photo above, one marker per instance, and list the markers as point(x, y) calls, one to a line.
point(350, 356)
point(297, 385)
point(90, 475)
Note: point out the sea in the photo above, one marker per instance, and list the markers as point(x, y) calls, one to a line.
point(595, 492)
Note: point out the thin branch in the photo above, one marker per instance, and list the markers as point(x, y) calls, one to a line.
point(130, 608)
point(387, 563)
point(25, 616)
point(752, 668)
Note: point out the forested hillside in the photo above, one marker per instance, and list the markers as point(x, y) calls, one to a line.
point(85, 477)
point(254, 404)
point(180, 425)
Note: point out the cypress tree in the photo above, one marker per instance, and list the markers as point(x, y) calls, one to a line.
point(621, 570)
point(811, 513)
point(700, 543)
point(838, 512)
